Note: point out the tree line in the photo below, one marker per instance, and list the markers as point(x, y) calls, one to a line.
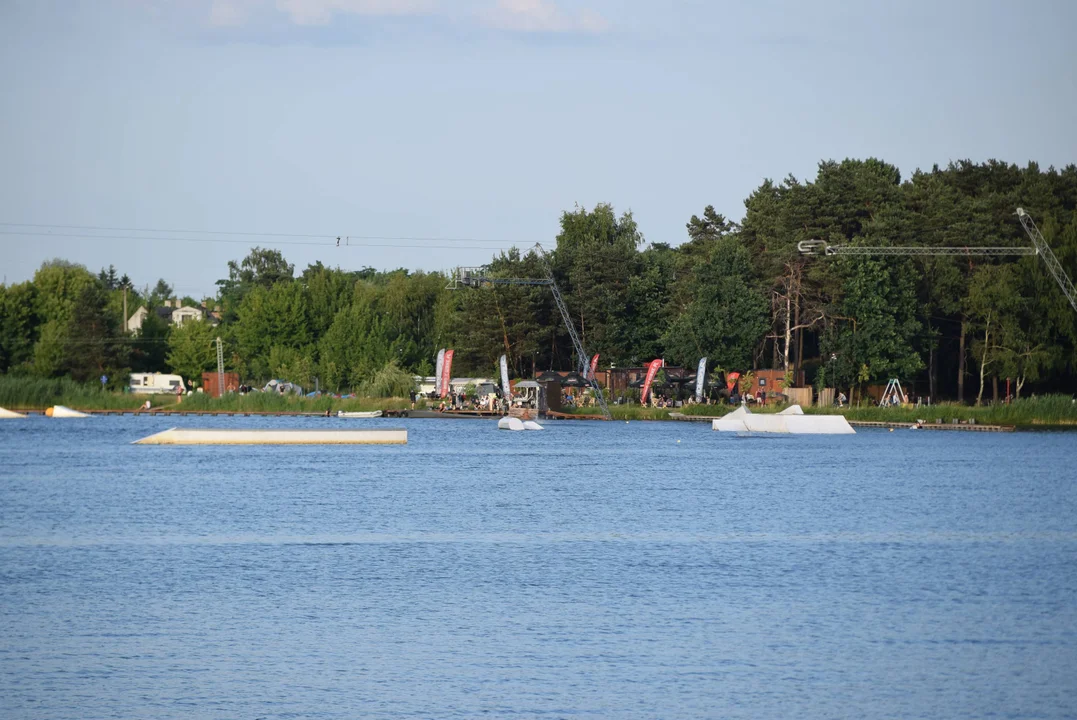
point(740, 293)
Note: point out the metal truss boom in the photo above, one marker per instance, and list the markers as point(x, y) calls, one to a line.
point(811, 247)
point(1048, 256)
point(1039, 247)
point(477, 277)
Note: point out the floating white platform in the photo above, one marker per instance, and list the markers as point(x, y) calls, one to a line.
point(733, 422)
point(9, 415)
point(60, 411)
point(359, 414)
point(516, 424)
point(177, 436)
point(791, 421)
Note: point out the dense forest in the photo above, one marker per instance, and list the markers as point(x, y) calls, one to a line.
point(739, 293)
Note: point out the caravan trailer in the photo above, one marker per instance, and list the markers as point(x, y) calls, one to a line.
point(154, 383)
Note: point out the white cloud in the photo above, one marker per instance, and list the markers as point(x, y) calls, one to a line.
point(542, 16)
point(230, 13)
point(511, 15)
point(320, 12)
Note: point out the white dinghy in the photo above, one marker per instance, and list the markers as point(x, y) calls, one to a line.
point(361, 414)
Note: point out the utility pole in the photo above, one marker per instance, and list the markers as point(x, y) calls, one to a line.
point(220, 368)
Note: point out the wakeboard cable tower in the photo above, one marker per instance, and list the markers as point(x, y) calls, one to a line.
point(1039, 247)
point(478, 277)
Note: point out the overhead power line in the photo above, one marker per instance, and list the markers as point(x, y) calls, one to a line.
point(325, 237)
point(345, 241)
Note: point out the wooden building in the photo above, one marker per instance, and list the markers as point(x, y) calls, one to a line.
point(209, 383)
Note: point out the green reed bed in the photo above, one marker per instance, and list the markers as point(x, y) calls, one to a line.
point(1043, 411)
point(273, 402)
point(1047, 410)
point(29, 393)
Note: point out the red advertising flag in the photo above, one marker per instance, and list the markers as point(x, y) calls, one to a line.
point(446, 373)
point(594, 366)
point(731, 380)
point(652, 370)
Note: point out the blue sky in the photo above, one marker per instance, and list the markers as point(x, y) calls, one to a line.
point(481, 120)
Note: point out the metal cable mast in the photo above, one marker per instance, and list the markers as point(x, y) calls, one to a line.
point(581, 354)
point(478, 277)
point(1045, 252)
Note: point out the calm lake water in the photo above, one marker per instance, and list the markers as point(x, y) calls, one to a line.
point(594, 570)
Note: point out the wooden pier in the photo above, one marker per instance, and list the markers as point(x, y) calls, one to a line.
point(199, 413)
point(178, 412)
point(963, 427)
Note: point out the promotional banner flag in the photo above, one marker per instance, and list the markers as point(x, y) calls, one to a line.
point(594, 366)
point(701, 379)
point(505, 378)
point(437, 372)
point(446, 374)
point(652, 370)
point(731, 380)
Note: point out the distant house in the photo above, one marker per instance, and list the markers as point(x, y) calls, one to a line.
point(181, 315)
point(171, 311)
point(135, 321)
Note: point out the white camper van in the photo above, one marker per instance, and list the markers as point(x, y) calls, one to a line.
point(153, 383)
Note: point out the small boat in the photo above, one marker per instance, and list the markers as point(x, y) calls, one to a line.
point(363, 414)
point(60, 411)
point(9, 415)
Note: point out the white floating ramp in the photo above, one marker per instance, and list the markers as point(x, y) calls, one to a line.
point(61, 411)
point(510, 423)
point(733, 422)
point(516, 424)
point(9, 415)
point(361, 414)
point(176, 436)
point(798, 424)
point(791, 421)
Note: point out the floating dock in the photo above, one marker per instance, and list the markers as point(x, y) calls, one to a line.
point(176, 436)
point(976, 427)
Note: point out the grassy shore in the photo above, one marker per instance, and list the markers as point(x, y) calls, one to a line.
point(37, 394)
point(1046, 411)
point(20, 393)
